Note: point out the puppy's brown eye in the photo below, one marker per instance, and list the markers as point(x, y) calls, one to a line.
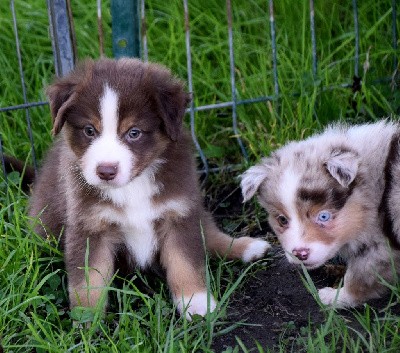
point(133, 134)
point(89, 131)
point(282, 220)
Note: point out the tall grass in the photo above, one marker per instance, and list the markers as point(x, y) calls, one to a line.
point(304, 105)
point(33, 305)
point(33, 302)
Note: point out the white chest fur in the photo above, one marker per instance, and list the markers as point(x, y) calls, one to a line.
point(135, 212)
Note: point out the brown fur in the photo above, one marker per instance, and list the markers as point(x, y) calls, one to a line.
point(150, 99)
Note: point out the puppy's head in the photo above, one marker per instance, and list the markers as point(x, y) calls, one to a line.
point(308, 190)
point(118, 117)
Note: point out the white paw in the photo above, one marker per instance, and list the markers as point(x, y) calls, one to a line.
point(255, 250)
point(338, 298)
point(196, 305)
point(328, 295)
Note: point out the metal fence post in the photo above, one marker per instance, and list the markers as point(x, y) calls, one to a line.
point(125, 28)
point(62, 36)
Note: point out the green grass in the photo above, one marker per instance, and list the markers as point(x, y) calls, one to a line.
point(33, 304)
point(142, 318)
point(364, 329)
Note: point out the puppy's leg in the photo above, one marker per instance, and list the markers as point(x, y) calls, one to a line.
point(183, 257)
point(354, 292)
point(220, 244)
point(362, 279)
point(339, 298)
point(86, 284)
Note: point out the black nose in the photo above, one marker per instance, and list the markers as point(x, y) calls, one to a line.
point(301, 253)
point(107, 171)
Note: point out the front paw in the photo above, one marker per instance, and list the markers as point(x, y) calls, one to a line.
point(328, 295)
point(196, 305)
point(256, 249)
point(338, 298)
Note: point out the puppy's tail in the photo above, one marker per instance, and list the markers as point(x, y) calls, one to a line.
point(27, 172)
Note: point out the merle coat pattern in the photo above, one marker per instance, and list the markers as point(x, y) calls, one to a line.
point(336, 193)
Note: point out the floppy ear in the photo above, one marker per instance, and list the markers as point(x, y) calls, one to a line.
point(253, 178)
point(63, 92)
point(61, 95)
point(343, 166)
point(172, 101)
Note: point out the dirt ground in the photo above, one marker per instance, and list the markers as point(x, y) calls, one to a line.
point(273, 304)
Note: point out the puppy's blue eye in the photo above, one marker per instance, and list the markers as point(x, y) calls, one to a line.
point(133, 134)
point(324, 216)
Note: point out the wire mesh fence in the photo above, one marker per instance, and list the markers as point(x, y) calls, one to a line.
point(130, 38)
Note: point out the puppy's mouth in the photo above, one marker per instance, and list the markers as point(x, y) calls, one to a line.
point(111, 181)
point(311, 266)
point(307, 265)
point(109, 184)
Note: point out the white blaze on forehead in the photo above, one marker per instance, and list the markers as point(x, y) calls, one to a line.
point(107, 148)
point(288, 189)
point(289, 184)
point(109, 111)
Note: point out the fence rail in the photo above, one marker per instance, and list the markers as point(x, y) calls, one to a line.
point(130, 39)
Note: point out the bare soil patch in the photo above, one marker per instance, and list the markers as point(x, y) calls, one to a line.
point(273, 304)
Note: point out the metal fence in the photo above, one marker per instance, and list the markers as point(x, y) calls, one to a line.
point(129, 38)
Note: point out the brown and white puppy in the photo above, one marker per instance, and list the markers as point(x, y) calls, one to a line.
point(120, 182)
point(324, 195)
